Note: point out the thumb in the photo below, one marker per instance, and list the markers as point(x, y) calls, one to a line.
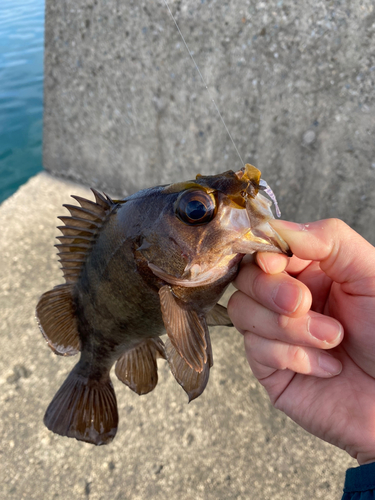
point(343, 254)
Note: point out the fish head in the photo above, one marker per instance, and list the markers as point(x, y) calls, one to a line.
point(205, 226)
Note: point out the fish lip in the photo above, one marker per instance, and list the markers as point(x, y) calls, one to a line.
point(236, 260)
point(208, 277)
point(271, 237)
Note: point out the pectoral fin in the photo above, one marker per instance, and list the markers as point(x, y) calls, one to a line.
point(218, 316)
point(192, 382)
point(137, 368)
point(185, 328)
point(57, 321)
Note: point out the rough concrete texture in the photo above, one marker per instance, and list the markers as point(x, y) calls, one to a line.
point(228, 444)
point(125, 108)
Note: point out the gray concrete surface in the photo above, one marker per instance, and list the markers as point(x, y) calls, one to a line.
point(125, 108)
point(228, 444)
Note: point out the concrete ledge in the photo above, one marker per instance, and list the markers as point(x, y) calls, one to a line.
point(230, 443)
point(295, 81)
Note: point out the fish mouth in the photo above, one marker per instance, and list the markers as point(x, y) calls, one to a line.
point(255, 234)
point(267, 240)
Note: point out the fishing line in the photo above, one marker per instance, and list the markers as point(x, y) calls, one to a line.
point(204, 82)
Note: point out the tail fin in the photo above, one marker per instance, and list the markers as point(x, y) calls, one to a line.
point(84, 408)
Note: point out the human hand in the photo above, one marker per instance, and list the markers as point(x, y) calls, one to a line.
point(291, 312)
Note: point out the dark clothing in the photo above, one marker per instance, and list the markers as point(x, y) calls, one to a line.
point(360, 483)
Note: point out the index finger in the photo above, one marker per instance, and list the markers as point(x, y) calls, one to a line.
point(279, 292)
point(343, 254)
point(274, 263)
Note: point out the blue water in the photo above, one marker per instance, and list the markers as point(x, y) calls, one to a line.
point(21, 92)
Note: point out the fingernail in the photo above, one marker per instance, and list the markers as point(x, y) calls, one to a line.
point(262, 265)
point(323, 328)
point(288, 297)
point(329, 364)
point(285, 224)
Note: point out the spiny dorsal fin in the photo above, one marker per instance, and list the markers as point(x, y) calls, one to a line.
point(137, 368)
point(79, 232)
point(56, 317)
point(186, 329)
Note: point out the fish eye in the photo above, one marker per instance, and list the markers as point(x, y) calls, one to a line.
point(195, 207)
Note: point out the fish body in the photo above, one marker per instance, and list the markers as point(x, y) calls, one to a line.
point(157, 261)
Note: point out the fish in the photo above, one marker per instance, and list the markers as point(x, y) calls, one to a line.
point(155, 262)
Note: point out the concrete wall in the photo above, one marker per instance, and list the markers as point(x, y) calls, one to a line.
point(126, 109)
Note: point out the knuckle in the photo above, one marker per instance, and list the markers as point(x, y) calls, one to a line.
point(252, 341)
point(256, 285)
point(297, 356)
point(237, 308)
point(278, 363)
point(232, 304)
point(336, 225)
point(282, 321)
point(277, 358)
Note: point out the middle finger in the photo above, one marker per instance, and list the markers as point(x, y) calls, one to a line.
point(312, 329)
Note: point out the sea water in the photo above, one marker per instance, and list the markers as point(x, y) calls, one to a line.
point(21, 92)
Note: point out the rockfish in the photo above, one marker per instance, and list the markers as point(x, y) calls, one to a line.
point(154, 262)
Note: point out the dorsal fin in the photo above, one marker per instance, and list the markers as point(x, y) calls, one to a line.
point(80, 231)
